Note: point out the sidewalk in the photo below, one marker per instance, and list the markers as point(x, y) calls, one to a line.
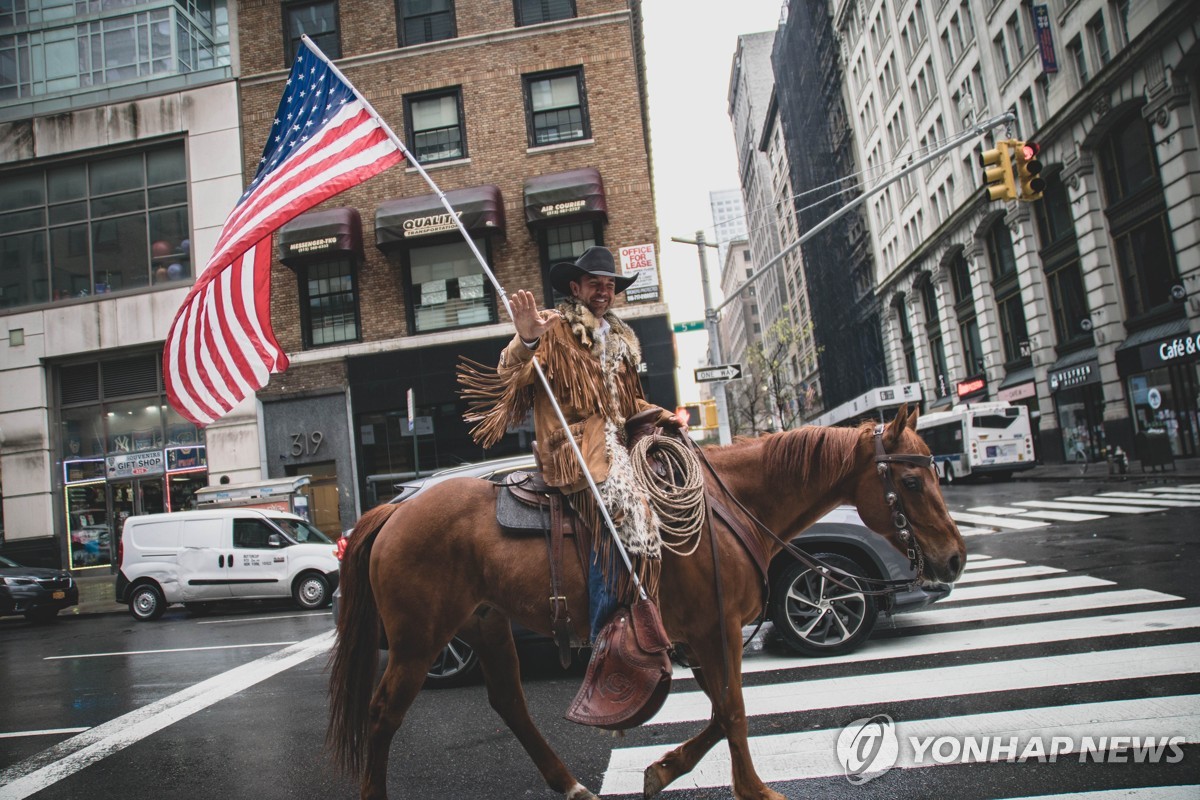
point(97, 595)
point(1184, 470)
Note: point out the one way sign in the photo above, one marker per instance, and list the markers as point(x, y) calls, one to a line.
point(725, 372)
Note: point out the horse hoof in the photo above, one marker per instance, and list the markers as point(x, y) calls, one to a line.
point(652, 782)
point(580, 792)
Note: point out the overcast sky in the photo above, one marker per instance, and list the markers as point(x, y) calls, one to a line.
point(689, 54)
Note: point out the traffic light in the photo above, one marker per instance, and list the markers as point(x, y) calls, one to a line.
point(998, 172)
point(1031, 184)
point(690, 413)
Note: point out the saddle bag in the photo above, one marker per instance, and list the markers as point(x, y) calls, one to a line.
point(629, 676)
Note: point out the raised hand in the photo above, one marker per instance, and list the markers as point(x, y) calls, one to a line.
point(530, 322)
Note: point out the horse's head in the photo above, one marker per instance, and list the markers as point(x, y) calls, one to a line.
point(898, 496)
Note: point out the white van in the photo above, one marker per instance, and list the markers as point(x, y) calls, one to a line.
point(203, 557)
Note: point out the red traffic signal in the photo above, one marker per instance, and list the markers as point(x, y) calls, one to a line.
point(1030, 184)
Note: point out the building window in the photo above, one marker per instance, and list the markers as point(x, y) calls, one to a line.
point(960, 277)
point(1137, 217)
point(329, 302)
point(447, 287)
point(933, 331)
point(1000, 250)
point(1012, 325)
point(906, 341)
point(422, 21)
point(88, 228)
point(531, 12)
point(1078, 59)
point(560, 243)
point(557, 107)
point(1100, 39)
point(435, 126)
point(319, 21)
point(1060, 260)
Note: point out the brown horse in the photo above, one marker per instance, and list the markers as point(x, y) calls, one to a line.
point(439, 566)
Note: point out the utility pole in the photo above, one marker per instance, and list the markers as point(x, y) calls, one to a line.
point(714, 338)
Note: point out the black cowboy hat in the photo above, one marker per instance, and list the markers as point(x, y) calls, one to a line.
point(596, 261)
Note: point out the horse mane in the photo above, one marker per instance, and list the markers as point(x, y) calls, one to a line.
point(808, 453)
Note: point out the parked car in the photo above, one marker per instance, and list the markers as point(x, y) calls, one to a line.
point(200, 558)
point(811, 615)
point(38, 593)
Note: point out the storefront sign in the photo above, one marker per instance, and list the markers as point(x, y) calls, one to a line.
point(133, 465)
point(1181, 349)
point(1045, 38)
point(1087, 372)
point(638, 260)
point(426, 226)
point(83, 470)
point(311, 246)
point(186, 458)
point(970, 386)
point(1020, 392)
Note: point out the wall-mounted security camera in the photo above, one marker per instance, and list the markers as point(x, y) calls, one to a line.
point(1178, 293)
point(1085, 324)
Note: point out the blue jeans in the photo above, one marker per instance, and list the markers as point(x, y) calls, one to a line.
point(602, 594)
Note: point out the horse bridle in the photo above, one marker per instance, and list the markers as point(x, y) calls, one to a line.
point(883, 462)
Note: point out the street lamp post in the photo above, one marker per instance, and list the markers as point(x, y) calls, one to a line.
point(714, 338)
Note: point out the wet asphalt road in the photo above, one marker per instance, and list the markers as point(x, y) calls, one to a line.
point(233, 705)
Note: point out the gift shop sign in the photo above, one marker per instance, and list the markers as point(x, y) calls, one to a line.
point(638, 261)
point(134, 465)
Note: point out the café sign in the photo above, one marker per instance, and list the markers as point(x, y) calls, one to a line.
point(1181, 348)
point(136, 465)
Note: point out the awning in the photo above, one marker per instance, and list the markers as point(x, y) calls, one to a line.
point(565, 197)
point(942, 402)
point(1016, 378)
point(1165, 330)
point(316, 234)
point(424, 220)
point(1074, 359)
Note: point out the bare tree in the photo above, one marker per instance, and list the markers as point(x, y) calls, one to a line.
point(769, 358)
point(748, 403)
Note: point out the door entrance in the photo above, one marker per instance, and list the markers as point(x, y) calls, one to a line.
point(324, 499)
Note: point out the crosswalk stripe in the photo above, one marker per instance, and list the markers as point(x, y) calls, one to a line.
point(938, 615)
point(1002, 511)
point(1042, 586)
point(996, 522)
point(983, 638)
point(978, 557)
point(992, 563)
point(1134, 793)
point(882, 689)
point(811, 754)
point(1061, 516)
point(1191, 488)
point(1088, 506)
point(1172, 500)
point(1142, 501)
point(968, 530)
point(1004, 574)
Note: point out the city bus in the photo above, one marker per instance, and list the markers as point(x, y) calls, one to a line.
point(992, 439)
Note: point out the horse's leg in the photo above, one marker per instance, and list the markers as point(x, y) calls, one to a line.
point(402, 680)
point(491, 635)
point(683, 759)
point(728, 719)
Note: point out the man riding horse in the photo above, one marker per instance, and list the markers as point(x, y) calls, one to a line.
point(590, 358)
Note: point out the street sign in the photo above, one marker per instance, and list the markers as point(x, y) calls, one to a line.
point(684, 327)
point(725, 372)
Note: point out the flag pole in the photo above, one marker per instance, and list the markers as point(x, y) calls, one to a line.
point(500, 293)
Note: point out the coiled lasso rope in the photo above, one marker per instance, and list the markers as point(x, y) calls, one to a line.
point(680, 508)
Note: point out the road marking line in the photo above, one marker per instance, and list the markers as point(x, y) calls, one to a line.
point(1062, 516)
point(972, 531)
point(937, 615)
point(997, 522)
point(1087, 506)
point(1190, 488)
point(1024, 587)
point(169, 650)
point(47, 732)
point(812, 754)
point(1174, 501)
point(882, 689)
point(1005, 574)
point(1001, 510)
point(1134, 793)
point(995, 562)
point(1027, 634)
point(66, 758)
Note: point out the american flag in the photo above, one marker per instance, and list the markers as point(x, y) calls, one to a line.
point(324, 139)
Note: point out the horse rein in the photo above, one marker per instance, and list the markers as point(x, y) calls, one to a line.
point(914, 553)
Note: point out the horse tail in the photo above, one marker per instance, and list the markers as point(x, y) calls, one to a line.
point(356, 652)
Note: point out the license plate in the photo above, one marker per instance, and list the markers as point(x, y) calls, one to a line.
point(59, 595)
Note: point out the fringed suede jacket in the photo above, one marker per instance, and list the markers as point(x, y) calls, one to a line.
point(596, 383)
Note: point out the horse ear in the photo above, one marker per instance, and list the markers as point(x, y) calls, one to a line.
point(897, 425)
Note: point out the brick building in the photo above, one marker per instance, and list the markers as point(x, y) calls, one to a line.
point(531, 117)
